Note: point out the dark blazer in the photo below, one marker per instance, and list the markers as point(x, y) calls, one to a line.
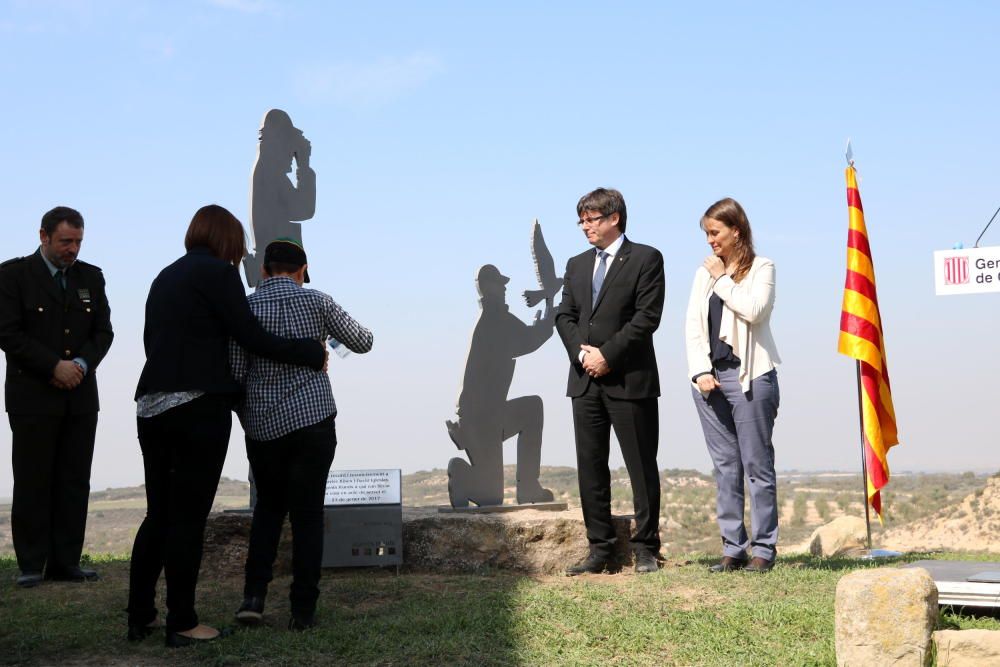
point(621, 323)
point(194, 306)
point(42, 324)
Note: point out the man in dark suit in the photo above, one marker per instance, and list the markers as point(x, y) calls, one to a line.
point(55, 328)
point(611, 305)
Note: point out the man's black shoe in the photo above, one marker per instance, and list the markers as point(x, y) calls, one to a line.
point(645, 562)
point(29, 579)
point(136, 633)
point(729, 564)
point(251, 612)
point(73, 574)
point(300, 622)
point(592, 564)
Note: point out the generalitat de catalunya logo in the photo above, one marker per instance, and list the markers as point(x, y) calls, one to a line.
point(956, 270)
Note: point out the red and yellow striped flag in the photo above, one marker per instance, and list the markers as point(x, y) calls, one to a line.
point(861, 338)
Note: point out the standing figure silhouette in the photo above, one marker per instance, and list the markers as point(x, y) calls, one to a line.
point(277, 206)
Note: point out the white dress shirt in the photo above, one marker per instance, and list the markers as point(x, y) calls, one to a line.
point(611, 251)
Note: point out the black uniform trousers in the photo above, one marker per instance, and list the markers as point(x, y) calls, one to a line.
point(51, 458)
point(290, 473)
point(636, 424)
point(183, 450)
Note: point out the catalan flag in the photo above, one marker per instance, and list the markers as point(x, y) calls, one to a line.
point(861, 338)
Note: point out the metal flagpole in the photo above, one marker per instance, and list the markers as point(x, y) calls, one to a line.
point(864, 458)
point(872, 553)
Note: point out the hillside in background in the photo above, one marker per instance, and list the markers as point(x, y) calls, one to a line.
point(970, 525)
point(808, 500)
point(924, 511)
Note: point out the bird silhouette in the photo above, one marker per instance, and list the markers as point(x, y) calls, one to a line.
point(545, 270)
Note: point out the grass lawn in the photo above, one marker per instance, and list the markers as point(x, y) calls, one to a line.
point(681, 616)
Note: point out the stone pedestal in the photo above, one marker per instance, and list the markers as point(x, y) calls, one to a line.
point(527, 541)
point(885, 617)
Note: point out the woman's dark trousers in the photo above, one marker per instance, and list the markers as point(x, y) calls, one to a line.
point(183, 450)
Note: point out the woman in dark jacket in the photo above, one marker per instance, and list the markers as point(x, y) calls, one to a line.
point(184, 402)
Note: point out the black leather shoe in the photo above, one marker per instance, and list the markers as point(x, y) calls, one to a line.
point(592, 564)
point(73, 574)
point(136, 633)
point(758, 564)
point(300, 622)
point(645, 562)
point(29, 579)
point(729, 564)
point(251, 612)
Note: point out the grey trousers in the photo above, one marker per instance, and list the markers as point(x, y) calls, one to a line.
point(738, 430)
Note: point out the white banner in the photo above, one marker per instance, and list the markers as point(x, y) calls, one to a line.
point(967, 271)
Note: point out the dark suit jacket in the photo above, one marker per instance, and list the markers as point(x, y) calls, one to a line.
point(42, 324)
point(621, 323)
point(194, 306)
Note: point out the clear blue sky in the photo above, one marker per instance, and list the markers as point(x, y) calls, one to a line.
point(441, 130)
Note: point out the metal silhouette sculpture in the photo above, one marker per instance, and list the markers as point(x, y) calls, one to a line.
point(486, 418)
point(545, 271)
point(276, 204)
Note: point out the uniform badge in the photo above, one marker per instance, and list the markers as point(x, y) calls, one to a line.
point(84, 294)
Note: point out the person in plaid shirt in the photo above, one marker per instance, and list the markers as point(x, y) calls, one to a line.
point(288, 416)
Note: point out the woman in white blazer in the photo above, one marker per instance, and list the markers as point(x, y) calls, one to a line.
point(731, 365)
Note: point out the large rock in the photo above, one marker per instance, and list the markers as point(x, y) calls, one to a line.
point(885, 617)
point(845, 535)
point(529, 541)
point(967, 648)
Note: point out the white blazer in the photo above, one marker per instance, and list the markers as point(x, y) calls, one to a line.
point(746, 321)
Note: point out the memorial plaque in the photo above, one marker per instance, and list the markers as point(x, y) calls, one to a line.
point(363, 487)
point(363, 518)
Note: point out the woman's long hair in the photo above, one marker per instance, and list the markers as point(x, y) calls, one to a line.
point(218, 230)
point(729, 212)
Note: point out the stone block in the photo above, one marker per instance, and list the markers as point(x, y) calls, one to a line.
point(885, 617)
point(967, 648)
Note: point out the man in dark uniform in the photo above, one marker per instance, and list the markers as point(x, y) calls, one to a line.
point(55, 328)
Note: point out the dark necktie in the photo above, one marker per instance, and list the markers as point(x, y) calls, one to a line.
point(602, 269)
point(60, 277)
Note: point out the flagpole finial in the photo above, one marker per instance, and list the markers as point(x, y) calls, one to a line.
point(849, 154)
